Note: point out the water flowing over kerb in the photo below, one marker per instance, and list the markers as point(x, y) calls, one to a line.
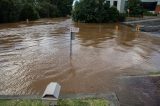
point(35, 54)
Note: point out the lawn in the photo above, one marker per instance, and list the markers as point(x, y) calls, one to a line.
point(65, 102)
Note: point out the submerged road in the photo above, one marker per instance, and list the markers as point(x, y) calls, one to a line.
point(34, 54)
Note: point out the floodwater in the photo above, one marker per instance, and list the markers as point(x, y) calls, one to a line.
point(35, 54)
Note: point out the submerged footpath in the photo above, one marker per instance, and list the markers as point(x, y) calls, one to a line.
point(150, 25)
point(141, 90)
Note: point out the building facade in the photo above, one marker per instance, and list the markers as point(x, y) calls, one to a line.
point(157, 9)
point(120, 4)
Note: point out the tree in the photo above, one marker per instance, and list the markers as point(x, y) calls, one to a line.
point(14, 10)
point(135, 7)
point(28, 12)
point(94, 11)
point(44, 9)
point(64, 6)
point(8, 11)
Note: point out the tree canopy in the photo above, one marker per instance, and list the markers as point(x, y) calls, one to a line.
point(96, 11)
point(14, 10)
point(135, 8)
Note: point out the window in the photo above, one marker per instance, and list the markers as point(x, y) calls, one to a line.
point(115, 3)
point(108, 2)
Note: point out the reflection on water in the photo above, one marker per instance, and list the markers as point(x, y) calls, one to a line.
point(34, 54)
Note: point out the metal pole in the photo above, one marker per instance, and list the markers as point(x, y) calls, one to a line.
point(71, 44)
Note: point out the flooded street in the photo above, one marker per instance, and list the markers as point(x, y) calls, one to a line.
point(35, 54)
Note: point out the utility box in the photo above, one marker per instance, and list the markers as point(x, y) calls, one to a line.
point(51, 93)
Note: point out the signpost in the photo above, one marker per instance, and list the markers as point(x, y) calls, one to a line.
point(73, 30)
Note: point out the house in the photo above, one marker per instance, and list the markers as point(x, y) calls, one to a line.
point(120, 4)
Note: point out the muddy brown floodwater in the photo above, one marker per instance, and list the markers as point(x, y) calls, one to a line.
point(35, 54)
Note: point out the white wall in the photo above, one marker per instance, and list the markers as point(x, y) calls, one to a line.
point(120, 4)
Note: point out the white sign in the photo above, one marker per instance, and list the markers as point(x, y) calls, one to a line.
point(74, 29)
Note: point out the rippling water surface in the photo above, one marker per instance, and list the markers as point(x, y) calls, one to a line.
point(34, 54)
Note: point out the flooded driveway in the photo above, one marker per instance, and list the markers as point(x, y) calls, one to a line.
point(35, 54)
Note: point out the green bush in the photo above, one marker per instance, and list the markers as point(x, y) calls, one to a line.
point(122, 17)
point(95, 11)
point(113, 14)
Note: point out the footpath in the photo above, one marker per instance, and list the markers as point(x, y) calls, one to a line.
point(151, 25)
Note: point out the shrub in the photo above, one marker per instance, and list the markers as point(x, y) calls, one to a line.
point(122, 17)
point(113, 14)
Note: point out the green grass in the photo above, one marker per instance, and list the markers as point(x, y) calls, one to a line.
point(157, 73)
point(83, 102)
point(65, 102)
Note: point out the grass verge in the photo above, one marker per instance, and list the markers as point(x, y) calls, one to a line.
point(157, 73)
point(65, 102)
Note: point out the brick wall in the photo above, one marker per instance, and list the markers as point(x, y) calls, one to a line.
point(158, 9)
